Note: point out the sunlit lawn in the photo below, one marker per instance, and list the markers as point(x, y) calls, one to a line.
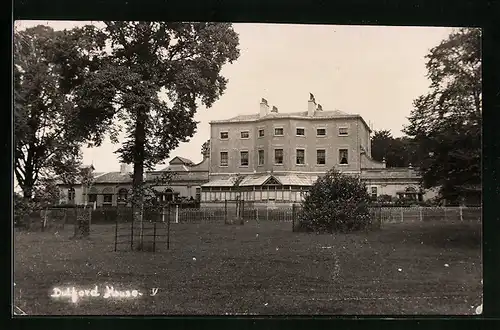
point(258, 269)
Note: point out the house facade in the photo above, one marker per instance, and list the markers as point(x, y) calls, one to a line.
point(111, 189)
point(276, 157)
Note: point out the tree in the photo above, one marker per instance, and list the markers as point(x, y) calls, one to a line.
point(397, 152)
point(335, 203)
point(45, 118)
point(205, 149)
point(446, 122)
point(152, 83)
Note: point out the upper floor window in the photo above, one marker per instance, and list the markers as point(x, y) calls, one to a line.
point(244, 158)
point(301, 157)
point(321, 156)
point(343, 131)
point(343, 157)
point(321, 131)
point(278, 156)
point(245, 134)
point(301, 132)
point(224, 161)
point(261, 157)
point(224, 135)
point(278, 131)
point(261, 132)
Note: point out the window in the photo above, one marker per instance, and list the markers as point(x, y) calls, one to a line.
point(321, 156)
point(71, 194)
point(261, 132)
point(278, 156)
point(278, 131)
point(224, 135)
point(245, 134)
point(244, 158)
point(108, 199)
point(374, 193)
point(223, 158)
point(122, 195)
point(301, 157)
point(321, 131)
point(343, 131)
point(343, 157)
point(301, 132)
point(92, 198)
point(198, 194)
point(261, 157)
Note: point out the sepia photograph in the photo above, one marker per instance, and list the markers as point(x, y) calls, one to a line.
point(211, 168)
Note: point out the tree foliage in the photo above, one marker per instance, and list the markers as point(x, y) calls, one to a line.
point(335, 203)
point(205, 149)
point(397, 152)
point(152, 82)
point(446, 122)
point(46, 121)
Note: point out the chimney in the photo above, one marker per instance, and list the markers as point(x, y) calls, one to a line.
point(274, 109)
point(264, 108)
point(319, 108)
point(124, 168)
point(383, 162)
point(311, 105)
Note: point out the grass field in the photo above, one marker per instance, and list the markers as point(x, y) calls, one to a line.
point(421, 268)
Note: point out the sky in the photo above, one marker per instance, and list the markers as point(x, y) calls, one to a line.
point(373, 71)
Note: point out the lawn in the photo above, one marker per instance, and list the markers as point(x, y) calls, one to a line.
point(414, 268)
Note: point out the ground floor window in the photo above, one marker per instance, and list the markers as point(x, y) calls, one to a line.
point(92, 198)
point(107, 200)
point(259, 194)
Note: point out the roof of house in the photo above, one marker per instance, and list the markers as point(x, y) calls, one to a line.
point(302, 114)
point(182, 159)
point(260, 179)
point(291, 115)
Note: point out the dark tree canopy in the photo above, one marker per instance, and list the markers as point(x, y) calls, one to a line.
point(446, 122)
point(46, 125)
point(152, 83)
point(397, 152)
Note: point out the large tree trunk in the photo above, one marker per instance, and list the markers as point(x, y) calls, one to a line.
point(137, 180)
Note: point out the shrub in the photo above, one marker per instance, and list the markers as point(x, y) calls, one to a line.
point(335, 203)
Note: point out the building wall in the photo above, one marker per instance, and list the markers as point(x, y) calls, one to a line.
point(289, 142)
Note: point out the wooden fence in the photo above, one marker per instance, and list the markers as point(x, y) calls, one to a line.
point(57, 218)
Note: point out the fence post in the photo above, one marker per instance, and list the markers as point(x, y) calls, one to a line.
point(225, 211)
point(168, 228)
point(176, 213)
point(402, 218)
point(154, 235)
point(293, 217)
point(257, 214)
point(132, 234)
point(163, 214)
point(420, 213)
point(444, 208)
point(461, 214)
point(242, 215)
point(116, 232)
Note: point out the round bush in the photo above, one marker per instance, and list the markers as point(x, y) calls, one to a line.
point(335, 203)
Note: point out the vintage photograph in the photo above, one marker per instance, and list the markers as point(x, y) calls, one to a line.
point(198, 168)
